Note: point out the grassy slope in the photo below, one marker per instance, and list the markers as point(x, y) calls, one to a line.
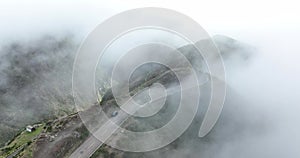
point(23, 139)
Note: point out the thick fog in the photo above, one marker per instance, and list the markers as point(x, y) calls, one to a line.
point(269, 86)
point(260, 116)
point(260, 113)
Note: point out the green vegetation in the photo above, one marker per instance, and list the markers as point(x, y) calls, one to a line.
point(101, 151)
point(28, 152)
point(22, 140)
point(84, 132)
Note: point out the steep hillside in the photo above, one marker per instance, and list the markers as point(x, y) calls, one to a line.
point(35, 82)
point(35, 87)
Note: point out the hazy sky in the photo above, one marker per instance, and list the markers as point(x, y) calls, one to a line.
point(231, 16)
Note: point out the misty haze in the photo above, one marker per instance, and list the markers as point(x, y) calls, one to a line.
point(44, 114)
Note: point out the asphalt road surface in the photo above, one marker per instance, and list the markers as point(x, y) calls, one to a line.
point(111, 126)
point(87, 149)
